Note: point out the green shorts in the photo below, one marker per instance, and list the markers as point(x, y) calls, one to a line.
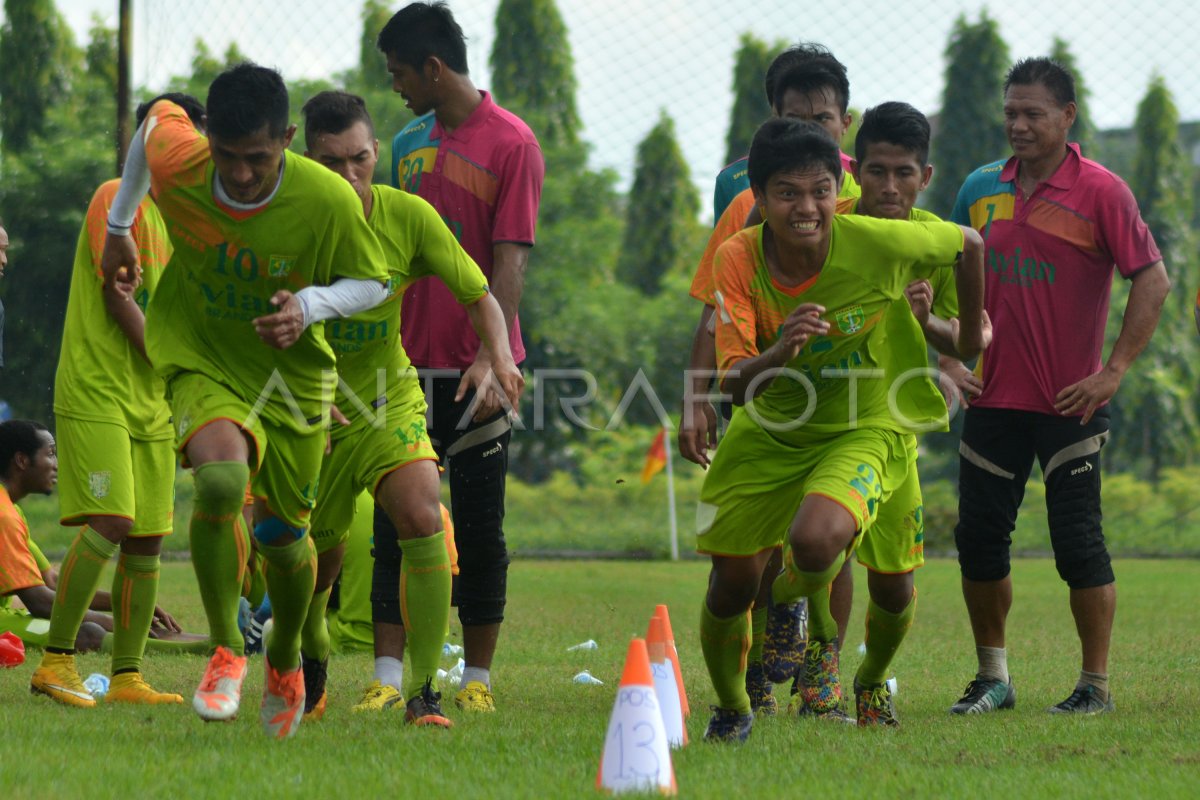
point(756, 483)
point(284, 464)
point(104, 471)
point(29, 629)
point(896, 542)
point(361, 460)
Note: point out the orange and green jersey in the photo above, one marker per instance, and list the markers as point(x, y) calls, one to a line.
point(228, 263)
point(21, 562)
point(874, 348)
point(416, 244)
point(101, 376)
point(734, 179)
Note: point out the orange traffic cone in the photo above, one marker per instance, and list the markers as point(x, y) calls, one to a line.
point(664, 684)
point(636, 755)
point(660, 611)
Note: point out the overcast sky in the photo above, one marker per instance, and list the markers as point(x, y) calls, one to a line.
point(635, 57)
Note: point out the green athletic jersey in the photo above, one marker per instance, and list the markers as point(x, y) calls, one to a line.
point(229, 262)
point(945, 289)
point(101, 377)
point(873, 339)
point(416, 243)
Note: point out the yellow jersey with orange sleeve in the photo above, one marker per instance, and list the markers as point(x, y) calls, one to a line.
point(101, 376)
point(19, 567)
point(229, 262)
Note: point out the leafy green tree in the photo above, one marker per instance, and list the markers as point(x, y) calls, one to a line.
point(971, 125)
point(371, 62)
point(1156, 408)
point(1084, 130)
point(661, 216)
point(750, 105)
point(533, 71)
point(37, 58)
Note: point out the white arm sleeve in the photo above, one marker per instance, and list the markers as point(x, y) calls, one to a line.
point(343, 298)
point(135, 183)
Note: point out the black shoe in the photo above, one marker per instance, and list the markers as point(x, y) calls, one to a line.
point(315, 675)
point(728, 725)
point(1084, 700)
point(986, 694)
point(425, 708)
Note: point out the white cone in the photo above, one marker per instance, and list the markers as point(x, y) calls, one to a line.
point(636, 757)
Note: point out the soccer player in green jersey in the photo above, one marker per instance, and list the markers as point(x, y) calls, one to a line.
point(117, 479)
point(267, 245)
point(817, 346)
point(385, 447)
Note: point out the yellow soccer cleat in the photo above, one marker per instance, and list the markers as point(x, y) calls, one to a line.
point(475, 696)
point(57, 678)
point(128, 687)
point(379, 697)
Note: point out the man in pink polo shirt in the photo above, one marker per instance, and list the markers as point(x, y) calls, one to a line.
point(481, 168)
point(1054, 224)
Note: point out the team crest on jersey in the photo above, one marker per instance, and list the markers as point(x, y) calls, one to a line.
point(100, 483)
point(850, 320)
point(280, 266)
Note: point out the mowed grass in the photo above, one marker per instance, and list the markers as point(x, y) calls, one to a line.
point(547, 737)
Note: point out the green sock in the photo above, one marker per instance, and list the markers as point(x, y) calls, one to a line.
point(314, 636)
point(814, 586)
point(134, 592)
point(424, 605)
point(885, 632)
point(726, 643)
point(77, 584)
point(219, 546)
point(758, 634)
point(291, 572)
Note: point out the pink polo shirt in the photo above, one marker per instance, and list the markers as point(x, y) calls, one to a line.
point(485, 179)
point(1049, 268)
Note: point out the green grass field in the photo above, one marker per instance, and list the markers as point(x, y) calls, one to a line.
point(547, 737)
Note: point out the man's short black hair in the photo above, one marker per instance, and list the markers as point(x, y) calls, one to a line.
point(420, 30)
point(894, 123)
point(1046, 71)
point(190, 105)
point(333, 112)
point(18, 436)
point(807, 53)
point(791, 145)
point(245, 98)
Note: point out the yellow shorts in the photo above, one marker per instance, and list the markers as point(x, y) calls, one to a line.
point(284, 464)
point(104, 471)
point(756, 483)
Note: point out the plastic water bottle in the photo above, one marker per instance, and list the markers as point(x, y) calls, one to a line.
point(454, 676)
point(590, 644)
point(891, 684)
point(97, 684)
point(587, 679)
point(449, 650)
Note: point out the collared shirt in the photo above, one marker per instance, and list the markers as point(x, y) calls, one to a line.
point(1049, 265)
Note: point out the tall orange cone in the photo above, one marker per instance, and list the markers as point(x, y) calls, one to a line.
point(660, 611)
point(664, 684)
point(636, 755)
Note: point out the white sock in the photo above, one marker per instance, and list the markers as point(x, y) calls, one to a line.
point(993, 663)
point(390, 672)
point(1096, 679)
point(480, 674)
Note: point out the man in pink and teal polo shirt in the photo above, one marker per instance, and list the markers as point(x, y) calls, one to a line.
point(481, 168)
point(1054, 224)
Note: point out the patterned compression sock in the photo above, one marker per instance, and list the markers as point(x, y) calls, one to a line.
point(134, 593)
point(726, 643)
point(219, 546)
point(291, 572)
point(424, 605)
point(77, 584)
point(885, 632)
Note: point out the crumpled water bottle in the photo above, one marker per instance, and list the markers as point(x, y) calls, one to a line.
point(454, 675)
point(451, 650)
point(590, 644)
point(587, 679)
point(97, 684)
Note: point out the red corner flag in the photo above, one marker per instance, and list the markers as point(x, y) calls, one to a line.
point(656, 456)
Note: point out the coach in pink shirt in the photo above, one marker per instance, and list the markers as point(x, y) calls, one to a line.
point(1055, 224)
point(481, 168)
